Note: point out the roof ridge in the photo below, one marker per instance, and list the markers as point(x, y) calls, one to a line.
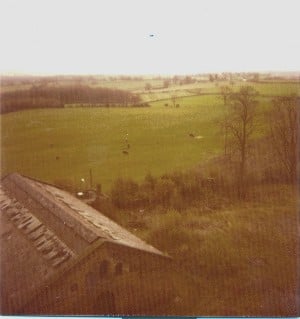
point(83, 219)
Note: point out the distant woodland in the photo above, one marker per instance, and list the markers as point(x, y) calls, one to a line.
point(59, 97)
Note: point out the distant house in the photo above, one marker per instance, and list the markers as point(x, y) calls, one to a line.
point(61, 256)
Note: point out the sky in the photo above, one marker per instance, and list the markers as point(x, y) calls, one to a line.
point(148, 36)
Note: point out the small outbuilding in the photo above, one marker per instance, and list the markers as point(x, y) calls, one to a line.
point(61, 256)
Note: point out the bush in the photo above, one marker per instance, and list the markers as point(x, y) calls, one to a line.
point(124, 193)
point(177, 190)
point(163, 191)
point(177, 201)
point(149, 182)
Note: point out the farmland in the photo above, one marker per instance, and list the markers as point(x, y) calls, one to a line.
point(94, 138)
point(64, 144)
point(233, 257)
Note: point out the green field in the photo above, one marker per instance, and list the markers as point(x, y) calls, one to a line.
point(159, 93)
point(65, 143)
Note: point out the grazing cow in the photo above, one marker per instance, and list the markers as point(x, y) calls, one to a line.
point(191, 135)
point(125, 152)
point(57, 157)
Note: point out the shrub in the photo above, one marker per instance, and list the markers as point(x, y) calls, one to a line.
point(149, 182)
point(178, 190)
point(163, 191)
point(177, 201)
point(124, 193)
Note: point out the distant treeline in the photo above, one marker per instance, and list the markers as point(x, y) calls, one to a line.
point(58, 97)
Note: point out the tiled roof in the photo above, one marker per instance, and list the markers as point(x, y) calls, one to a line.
point(30, 253)
point(86, 222)
point(42, 239)
point(98, 224)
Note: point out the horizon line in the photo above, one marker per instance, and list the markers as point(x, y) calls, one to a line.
point(19, 73)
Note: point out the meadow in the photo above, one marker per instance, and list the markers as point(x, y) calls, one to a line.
point(64, 144)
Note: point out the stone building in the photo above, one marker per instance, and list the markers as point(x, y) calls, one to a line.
point(61, 256)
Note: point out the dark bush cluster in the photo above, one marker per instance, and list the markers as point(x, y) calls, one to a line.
point(177, 190)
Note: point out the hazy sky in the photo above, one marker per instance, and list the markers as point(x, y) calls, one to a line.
point(113, 36)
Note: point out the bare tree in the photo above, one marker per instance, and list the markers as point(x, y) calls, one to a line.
point(284, 126)
point(225, 92)
point(148, 86)
point(174, 99)
point(240, 126)
point(166, 83)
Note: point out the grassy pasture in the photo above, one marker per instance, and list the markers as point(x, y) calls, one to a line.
point(66, 143)
point(159, 92)
point(277, 88)
point(132, 85)
point(269, 89)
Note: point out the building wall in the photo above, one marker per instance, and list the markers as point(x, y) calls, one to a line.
point(112, 280)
